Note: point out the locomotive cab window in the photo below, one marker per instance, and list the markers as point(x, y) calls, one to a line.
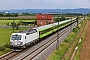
point(16, 37)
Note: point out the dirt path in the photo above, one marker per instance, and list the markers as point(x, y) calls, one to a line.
point(85, 52)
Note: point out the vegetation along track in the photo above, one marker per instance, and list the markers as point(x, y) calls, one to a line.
point(83, 29)
point(38, 50)
point(74, 43)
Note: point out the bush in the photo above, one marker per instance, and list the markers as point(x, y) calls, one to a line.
point(75, 30)
point(7, 50)
point(2, 47)
point(72, 35)
point(20, 23)
point(7, 45)
point(62, 45)
point(78, 27)
point(1, 53)
point(65, 40)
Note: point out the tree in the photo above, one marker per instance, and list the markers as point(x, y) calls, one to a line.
point(88, 14)
point(16, 15)
point(63, 18)
point(7, 23)
point(17, 26)
point(7, 15)
point(57, 19)
point(1, 15)
point(13, 24)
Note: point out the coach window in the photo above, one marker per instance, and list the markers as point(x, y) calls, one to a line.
point(33, 31)
point(27, 33)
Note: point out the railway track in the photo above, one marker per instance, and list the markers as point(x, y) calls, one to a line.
point(31, 54)
point(37, 51)
point(8, 55)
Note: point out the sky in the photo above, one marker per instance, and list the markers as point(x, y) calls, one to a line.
point(43, 4)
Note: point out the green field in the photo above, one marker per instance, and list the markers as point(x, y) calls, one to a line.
point(3, 22)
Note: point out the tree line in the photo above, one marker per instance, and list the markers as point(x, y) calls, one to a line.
point(8, 15)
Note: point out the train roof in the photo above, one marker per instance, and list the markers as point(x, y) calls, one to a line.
point(29, 31)
point(16, 33)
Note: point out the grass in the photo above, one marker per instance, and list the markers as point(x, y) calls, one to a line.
point(3, 22)
point(58, 54)
point(5, 34)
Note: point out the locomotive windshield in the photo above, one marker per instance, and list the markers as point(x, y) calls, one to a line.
point(16, 37)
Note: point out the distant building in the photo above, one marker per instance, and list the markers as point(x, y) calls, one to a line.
point(44, 19)
point(6, 12)
point(20, 13)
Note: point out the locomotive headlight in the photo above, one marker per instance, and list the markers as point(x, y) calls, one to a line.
point(21, 43)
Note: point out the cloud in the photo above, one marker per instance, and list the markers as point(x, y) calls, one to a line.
point(62, 4)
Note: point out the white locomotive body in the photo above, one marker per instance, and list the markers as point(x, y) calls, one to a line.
point(23, 38)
